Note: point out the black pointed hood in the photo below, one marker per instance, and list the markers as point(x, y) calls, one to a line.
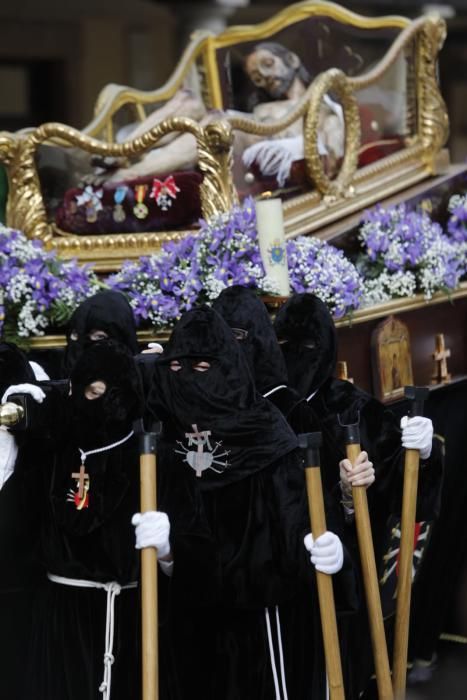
point(110, 416)
point(244, 311)
point(305, 329)
point(107, 311)
point(246, 432)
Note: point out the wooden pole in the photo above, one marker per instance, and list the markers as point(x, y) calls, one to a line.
point(310, 443)
point(370, 575)
point(149, 621)
point(404, 581)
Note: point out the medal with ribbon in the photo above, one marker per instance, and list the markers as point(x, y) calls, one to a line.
point(140, 210)
point(119, 196)
point(164, 192)
point(91, 199)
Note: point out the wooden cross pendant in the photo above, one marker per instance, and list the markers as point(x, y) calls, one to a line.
point(81, 477)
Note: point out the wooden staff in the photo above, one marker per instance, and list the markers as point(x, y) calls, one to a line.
point(417, 396)
point(149, 620)
point(310, 444)
point(370, 575)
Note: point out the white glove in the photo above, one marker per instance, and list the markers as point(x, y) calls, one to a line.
point(31, 389)
point(417, 434)
point(152, 529)
point(327, 553)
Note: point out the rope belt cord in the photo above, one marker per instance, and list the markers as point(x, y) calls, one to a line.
point(281, 653)
point(272, 654)
point(112, 590)
point(105, 448)
point(273, 391)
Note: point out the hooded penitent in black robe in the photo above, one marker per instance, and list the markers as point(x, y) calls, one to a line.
point(232, 485)
point(107, 311)
point(306, 331)
point(250, 322)
point(91, 539)
point(20, 570)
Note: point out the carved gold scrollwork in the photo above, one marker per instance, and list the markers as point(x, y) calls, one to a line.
point(218, 193)
point(26, 210)
point(332, 80)
point(433, 126)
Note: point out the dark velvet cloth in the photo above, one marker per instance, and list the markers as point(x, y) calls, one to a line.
point(306, 331)
point(14, 366)
point(247, 315)
point(21, 572)
point(107, 311)
point(294, 408)
point(237, 537)
point(438, 596)
point(181, 210)
point(64, 659)
point(238, 550)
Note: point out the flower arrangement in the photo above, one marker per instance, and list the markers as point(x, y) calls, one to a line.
point(405, 252)
point(457, 222)
point(196, 269)
point(37, 289)
point(226, 252)
point(323, 270)
point(160, 287)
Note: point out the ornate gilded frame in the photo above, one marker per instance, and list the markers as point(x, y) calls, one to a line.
point(352, 189)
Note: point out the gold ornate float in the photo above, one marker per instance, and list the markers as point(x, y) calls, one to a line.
point(356, 64)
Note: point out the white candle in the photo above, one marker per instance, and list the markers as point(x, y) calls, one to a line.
point(271, 239)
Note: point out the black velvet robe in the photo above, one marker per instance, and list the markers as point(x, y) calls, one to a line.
point(237, 536)
point(306, 329)
point(64, 657)
point(20, 569)
point(238, 550)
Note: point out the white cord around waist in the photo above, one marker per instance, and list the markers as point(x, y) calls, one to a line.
point(112, 589)
point(273, 391)
point(272, 654)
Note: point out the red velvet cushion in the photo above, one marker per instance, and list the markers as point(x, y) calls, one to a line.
point(96, 210)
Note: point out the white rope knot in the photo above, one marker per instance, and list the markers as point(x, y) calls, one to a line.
point(113, 587)
point(112, 590)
